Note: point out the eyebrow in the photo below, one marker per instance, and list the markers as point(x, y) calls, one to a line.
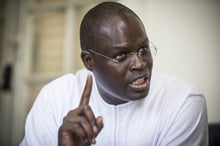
point(125, 46)
point(145, 41)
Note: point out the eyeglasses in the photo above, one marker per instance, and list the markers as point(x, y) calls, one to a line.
point(145, 52)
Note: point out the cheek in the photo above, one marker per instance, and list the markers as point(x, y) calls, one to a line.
point(110, 76)
point(149, 64)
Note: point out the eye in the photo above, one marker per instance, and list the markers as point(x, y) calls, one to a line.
point(120, 57)
point(144, 51)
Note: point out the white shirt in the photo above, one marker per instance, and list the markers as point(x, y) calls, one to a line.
point(174, 113)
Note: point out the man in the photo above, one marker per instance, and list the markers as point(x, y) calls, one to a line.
point(117, 101)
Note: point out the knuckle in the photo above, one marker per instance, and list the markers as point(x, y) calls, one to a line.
point(65, 119)
point(79, 131)
point(86, 108)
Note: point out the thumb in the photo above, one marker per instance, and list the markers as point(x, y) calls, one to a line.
point(98, 127)
point(99, 124)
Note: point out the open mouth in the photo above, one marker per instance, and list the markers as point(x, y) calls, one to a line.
point(140, 83)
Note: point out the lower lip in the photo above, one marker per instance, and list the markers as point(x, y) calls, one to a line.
point(144, 85)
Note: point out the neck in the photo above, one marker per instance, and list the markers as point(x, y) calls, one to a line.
point(110, 99)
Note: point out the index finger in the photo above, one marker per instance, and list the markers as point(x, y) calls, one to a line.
point(87, 91)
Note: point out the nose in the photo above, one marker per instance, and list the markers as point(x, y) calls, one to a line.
point(137, 63)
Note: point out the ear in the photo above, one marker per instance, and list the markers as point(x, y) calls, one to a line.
point(87, 59)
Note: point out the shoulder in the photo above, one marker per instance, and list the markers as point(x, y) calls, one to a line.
point(64, 90)
point(61, 94)
point(174, 84)
point(181, 104)
point(80, 75)
point(68, 81)
point(172, 92)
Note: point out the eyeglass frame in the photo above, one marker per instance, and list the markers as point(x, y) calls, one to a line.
point(151, 46)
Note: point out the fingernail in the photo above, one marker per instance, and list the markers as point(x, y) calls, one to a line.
point(95, 129)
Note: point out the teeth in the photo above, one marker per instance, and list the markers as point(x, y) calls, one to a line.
point(138, 81)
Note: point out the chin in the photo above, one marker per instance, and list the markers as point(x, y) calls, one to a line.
point(138, 95)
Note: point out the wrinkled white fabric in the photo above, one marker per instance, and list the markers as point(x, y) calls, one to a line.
point(174, 113)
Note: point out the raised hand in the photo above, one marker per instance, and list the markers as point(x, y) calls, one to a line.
point(80, 126)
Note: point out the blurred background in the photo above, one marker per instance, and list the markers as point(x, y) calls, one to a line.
point(39, 41)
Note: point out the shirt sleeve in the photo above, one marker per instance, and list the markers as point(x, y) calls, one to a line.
point(41, 127)
point(190, 125)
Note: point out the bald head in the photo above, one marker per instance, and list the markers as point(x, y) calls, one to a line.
point(98, 16)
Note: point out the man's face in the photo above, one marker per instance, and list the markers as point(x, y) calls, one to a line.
point(129, 79)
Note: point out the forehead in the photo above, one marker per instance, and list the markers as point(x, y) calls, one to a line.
point(119, 32)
